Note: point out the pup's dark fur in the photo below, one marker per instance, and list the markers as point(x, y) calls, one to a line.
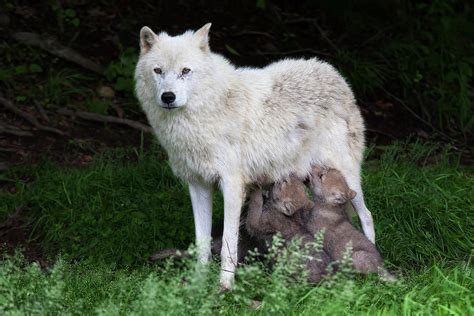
point(331, 193)
point(284, 213)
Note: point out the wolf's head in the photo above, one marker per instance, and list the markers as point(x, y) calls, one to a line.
point(168, 64)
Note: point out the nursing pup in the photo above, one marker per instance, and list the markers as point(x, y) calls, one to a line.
point(285, 212)
point(331, 193)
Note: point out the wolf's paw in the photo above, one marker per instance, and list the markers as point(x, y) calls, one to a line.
point(227, 280)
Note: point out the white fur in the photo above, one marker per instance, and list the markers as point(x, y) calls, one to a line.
point(201, 199)
point(238, 125)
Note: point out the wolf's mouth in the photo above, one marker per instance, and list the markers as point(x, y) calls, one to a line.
point(169, 107)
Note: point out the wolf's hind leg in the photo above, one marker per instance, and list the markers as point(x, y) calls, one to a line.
point(365, 215)
point(350, 169)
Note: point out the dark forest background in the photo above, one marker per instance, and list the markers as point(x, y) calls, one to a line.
point(410, 64)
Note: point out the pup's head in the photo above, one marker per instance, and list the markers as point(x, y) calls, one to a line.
point(289, 195)
point(329, 186)
point(167, 64)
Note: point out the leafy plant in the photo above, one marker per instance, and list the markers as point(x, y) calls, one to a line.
point(8, 74)
point(121, 72)
point(61, 85)
point(67, 15)
point(421, 52)
point(436, 67)
point(96, 105)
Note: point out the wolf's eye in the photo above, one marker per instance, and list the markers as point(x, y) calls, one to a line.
point(185, 71)
point(157, 70)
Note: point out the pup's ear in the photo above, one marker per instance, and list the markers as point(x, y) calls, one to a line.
point(309, 205)
point(288, 209)
point(316, 170)
point(147, 39)
point(315, 175)
point(202, 36)
point(351, 194)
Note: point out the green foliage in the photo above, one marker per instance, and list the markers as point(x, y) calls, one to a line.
point(437, 65)
point(8, 74)
point(421, 214)
point(107, 218)
point(261, 4)
point(27, 69)
point(285, 283)
point(367, 74)
point(60, 86)
point(19, 64)
point(64, 15)
point(70, 17)
point(231, 50)
point(111, 211)
point(56, 90)
point(29, 290)
point(421, 52)
point(97, 105)
point(181, 288)
point(121, 72)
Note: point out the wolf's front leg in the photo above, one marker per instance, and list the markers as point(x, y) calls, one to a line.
point(201, 199)
point(233, 191)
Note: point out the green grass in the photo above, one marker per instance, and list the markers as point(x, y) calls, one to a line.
point(114, 211)
point(105, 219)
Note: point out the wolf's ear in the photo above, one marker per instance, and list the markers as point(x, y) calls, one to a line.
point(147, 39)
point(202, 36)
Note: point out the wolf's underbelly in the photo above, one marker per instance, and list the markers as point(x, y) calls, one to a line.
point(270, 159)
point(274, 157)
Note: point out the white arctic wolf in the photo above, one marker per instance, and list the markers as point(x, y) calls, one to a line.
point(235, 126)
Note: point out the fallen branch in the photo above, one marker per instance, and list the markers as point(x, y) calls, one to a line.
point(51, 45)
point(12, 130)
point(42, 111)
point(28, 117)
point(106, 119)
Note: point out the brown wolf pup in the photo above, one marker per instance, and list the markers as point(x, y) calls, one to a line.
point(284, 212)
point(331, 193)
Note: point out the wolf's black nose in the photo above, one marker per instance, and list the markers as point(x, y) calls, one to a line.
point(168, 97)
